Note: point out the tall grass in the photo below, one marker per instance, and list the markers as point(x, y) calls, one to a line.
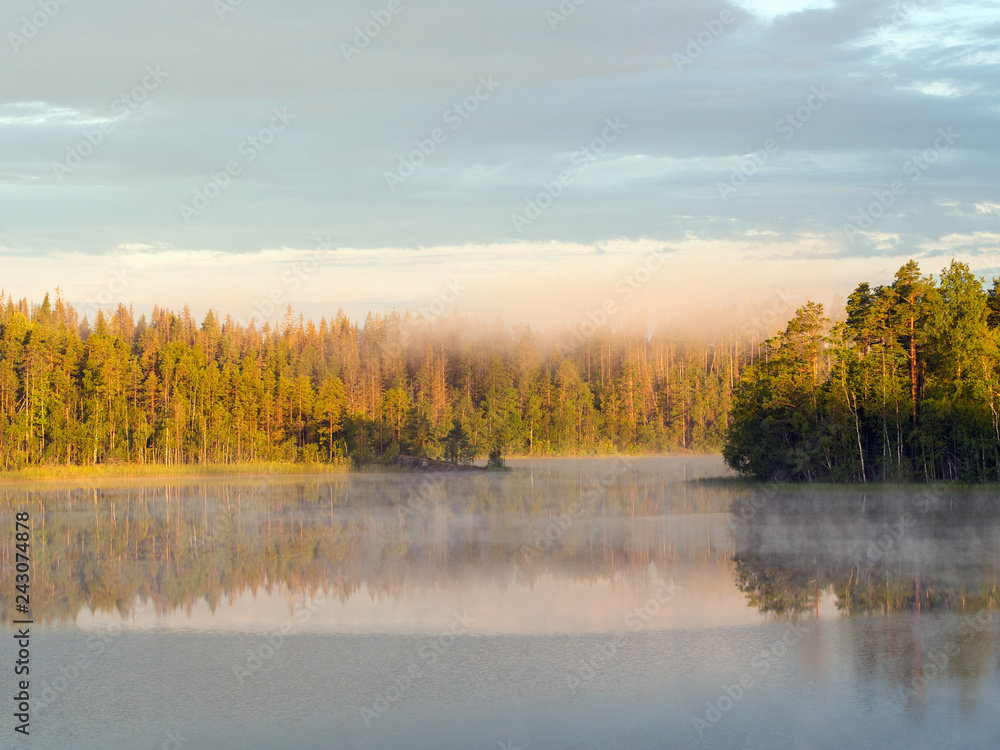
point(155, 471)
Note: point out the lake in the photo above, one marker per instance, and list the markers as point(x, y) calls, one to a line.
point(568, 603)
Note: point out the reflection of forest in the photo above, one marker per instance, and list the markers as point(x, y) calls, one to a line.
point(888, 554)
point(933, 566)
point(177, 543)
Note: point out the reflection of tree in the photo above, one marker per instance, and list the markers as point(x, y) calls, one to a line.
point(773, 588)
point(177, 545)
point(884, 590)
point(788, 549)
point(783, 585)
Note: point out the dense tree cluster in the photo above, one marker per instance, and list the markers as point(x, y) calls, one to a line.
point(907, 387)
point(163, 389)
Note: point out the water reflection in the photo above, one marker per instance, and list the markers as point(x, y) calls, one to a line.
point(889, 551)
point(926, 561)
point(141, 548)
point(897, 614)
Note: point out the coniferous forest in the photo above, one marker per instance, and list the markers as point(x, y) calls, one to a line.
point(905, 385)
point(906, 388)
point(167, 389)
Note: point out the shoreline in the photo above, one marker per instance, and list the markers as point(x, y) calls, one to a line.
point(62, 472)
point(161, 471)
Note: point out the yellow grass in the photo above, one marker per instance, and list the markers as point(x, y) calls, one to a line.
point(158, 471)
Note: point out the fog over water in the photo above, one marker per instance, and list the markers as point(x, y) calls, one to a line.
point(577, 603)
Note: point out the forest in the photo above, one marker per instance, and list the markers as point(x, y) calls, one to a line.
point(906, 388)
point(903, 384)
point(163, 389)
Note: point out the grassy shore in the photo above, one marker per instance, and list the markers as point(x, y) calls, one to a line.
point(160, 471)
point(62, 472)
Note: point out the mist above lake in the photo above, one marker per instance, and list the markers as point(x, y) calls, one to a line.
point(567, 603)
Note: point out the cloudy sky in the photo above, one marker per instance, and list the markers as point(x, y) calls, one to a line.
point(522, 158)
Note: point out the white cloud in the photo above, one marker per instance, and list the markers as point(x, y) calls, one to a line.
point(770, 9)
point(687, 130)
point(937, 88)
point(42, 113)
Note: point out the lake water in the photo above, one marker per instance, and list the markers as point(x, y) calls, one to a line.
point(604, 603)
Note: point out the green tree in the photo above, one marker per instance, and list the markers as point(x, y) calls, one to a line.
point(330, 405)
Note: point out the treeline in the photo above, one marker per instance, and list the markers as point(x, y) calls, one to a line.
point(906, 388)
point(164, 389)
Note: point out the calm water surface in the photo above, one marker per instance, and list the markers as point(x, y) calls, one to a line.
point(567, 604)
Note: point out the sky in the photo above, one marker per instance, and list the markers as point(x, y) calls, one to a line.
point(525, 159)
